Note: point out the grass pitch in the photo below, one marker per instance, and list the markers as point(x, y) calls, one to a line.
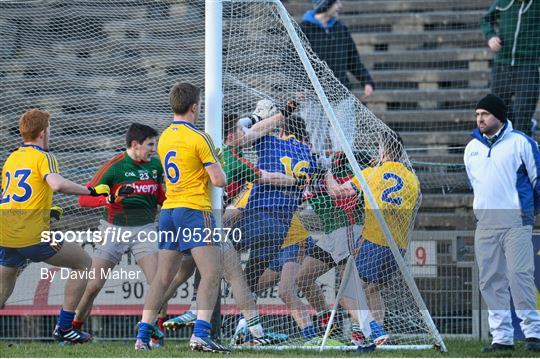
point(456, 348)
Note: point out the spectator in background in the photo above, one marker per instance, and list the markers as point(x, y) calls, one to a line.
point(332, 42)
point(517, 48)
point(503, 168)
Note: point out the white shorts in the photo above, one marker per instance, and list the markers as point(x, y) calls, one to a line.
point(122, 239)
point(339, 242)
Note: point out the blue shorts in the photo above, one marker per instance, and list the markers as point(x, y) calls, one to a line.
point(293, 253)
point(17, 257)
point(376, 263)
point(181, 229)
point(263, 232)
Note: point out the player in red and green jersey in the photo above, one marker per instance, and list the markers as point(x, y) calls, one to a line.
point(135, 178)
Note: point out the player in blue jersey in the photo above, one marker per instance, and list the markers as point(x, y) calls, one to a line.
point(269, 208)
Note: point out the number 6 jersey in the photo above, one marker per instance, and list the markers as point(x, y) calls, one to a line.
point(26, 196)
point(184, 152)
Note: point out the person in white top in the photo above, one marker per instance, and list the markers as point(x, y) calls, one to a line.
point(503, 165)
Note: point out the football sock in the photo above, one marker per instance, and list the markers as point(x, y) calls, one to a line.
point(144, 332)
point(64, 319)
point(202, 328)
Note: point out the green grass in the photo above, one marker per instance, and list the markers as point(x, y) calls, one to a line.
point(456, 348)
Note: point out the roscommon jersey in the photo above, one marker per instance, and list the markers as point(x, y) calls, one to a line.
point(26, 196)
point(184, 152)
point(396, 190)
point(284, 155)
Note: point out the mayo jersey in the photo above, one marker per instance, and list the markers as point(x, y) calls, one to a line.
point(284, 155)
point(145, 178)
point(238, 169)
point(396, 190)
point(26, 196)
point(184, 152)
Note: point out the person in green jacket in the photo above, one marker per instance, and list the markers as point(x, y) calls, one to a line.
point(513, 33)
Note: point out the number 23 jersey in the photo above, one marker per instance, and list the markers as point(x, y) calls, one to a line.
point(396, 190)
point(26, 196)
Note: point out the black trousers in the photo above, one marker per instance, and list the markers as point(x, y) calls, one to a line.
point(519, 88)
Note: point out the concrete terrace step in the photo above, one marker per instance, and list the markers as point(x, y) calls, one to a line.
point(448, 221)
point(432, 76)
point(411, 95)
point(457, 38)
point(425, 120)
point(408, 19)
point(386, 6)
point(448, 201)
point(435, 138)
point(423, 58)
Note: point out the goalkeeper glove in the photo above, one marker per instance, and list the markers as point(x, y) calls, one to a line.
point(99, 190)
point(265, 108)
point(289, 108)
point(57, 212)
point(247, 122)
point(120, 193)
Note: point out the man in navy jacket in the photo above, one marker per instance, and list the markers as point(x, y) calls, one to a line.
point(332, 42)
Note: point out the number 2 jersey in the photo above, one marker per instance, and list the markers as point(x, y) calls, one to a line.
point(26, 196)
point(139, 208)
point(396, 190)
point(284, 155)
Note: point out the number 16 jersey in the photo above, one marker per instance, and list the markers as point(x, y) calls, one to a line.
point(284, 155)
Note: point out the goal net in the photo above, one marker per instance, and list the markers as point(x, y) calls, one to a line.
point(324, 197)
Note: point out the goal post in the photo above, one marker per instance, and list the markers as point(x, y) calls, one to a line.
point(213, 114)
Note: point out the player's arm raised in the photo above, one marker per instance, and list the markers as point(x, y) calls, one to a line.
point(257, 126)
